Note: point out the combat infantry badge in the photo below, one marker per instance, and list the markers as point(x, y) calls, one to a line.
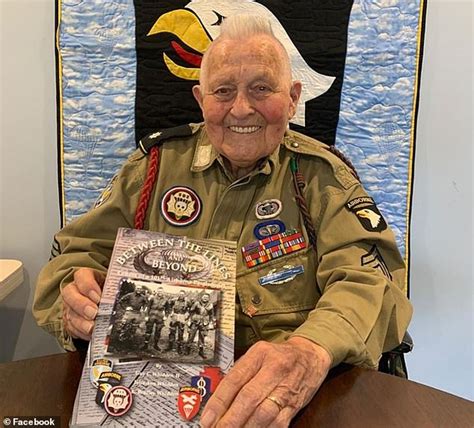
point(181, 206)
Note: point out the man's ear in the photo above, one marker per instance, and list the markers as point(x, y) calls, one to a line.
point(197, 94)
point(295, 92)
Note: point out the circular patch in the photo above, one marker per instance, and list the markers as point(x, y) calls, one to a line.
point(118, 400)
point(268, 228)
point(181, 206)
point(269, 208)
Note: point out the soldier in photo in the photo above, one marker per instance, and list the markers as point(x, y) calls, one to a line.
point(178, 308)
point(201, 319)
point(157, 306)
point(130, 312)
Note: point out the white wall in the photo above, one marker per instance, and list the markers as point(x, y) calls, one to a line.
point(442, 211)
point(28, 183)
point(442, 245)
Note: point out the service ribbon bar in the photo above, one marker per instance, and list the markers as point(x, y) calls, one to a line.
point(272, 247)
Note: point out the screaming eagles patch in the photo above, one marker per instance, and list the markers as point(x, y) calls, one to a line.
point(181, 206)
point(367, 213)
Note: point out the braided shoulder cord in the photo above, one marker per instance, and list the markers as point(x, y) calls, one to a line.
point(299, 183)
point(341, 156)
point(147, 189)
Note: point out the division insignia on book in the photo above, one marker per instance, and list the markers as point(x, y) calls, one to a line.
point(189, 402)
point(100, 366)
point(107, 380)
point(118, 401)
point(203, 384)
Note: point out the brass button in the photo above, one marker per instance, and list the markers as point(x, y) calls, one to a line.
point(256, 299)
point(295, 144)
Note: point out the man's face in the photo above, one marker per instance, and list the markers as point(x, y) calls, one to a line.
point(205, 298)
point(247, 98)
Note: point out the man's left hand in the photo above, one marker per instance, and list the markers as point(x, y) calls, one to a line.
point(268, 385)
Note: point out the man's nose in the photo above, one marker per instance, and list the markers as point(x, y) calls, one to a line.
point(242, 105)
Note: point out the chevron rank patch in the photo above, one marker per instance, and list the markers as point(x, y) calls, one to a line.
point(274, 246)
point(55, 249)
point(375, 260)
point(368, 214)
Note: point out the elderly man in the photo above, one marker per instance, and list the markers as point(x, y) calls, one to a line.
point(336, 299)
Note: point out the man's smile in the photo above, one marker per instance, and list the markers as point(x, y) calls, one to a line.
point(244, 129)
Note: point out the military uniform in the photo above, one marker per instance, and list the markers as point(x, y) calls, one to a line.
point(157, 306)
point(348, 299)
point(201, 315)
point(179, 312)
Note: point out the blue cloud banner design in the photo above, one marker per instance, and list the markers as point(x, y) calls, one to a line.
point(114, 86)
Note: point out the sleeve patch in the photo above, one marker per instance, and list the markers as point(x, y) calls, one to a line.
point(375, 260)
point(367, 213)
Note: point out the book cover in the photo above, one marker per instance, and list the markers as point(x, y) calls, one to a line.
point(164, 333)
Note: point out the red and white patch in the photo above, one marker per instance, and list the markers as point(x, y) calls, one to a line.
point(189, 402)
point(118, 400)
point(181, 206)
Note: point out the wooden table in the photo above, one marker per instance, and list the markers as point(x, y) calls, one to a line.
point(350, 397)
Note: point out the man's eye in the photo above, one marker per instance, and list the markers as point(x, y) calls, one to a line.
point(223, 92)
point(261, 90)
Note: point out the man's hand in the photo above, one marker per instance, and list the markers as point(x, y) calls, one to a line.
point(268, 385)
point(80, 302)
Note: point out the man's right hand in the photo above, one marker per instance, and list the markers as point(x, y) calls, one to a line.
point(80, 302)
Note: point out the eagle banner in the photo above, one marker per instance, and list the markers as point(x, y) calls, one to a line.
point(126, 68)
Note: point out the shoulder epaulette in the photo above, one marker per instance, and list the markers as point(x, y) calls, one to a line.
point(346, 160)
point(159, 137)
point(300, 143)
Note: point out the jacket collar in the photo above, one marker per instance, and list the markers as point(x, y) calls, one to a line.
point(205, 155)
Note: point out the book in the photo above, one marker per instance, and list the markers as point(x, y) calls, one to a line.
point(164, 333)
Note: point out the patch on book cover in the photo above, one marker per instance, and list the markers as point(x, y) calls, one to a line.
point(202, 383)
point(181, 206)
point(189, 402)
point(107, 381)
point(99, 366)
point(118, 401)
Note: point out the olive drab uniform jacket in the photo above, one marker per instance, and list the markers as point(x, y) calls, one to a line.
point(345, 295)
